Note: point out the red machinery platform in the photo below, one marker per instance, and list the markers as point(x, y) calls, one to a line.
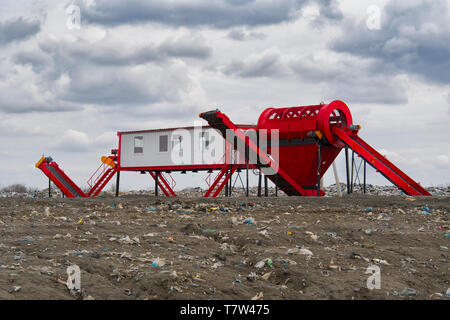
point(310, 139)
point(97, 182)
point(307, 140)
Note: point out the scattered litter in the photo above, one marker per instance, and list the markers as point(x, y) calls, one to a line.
point(216, 265)
point(259, 296)
point(151, 234)
point(220, 247)
point(408, 292)
point(381, 261)
point(127, 240)
point(260, 264)
point(250, 221)
point(313, 236)
point(358, 256)
point(208, 230)
point(333, 267)
point(158, 263)
point(267, 275)
point(95, 255)
point(331, 234)
point(303, 251)
point(264, 233)
point(74, 278)
point(252, 277)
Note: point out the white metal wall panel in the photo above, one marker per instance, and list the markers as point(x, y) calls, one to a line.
point(192, 151)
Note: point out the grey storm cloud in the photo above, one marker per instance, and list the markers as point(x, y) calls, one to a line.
point(351, 79)
point(36, 59)
point(65, 75)
point(112, 54)
point(268, 64)
point(330, 10)
point(124, 86)
point(242, 35)
point(17, 29)
point(414, 38)
point(217, 14)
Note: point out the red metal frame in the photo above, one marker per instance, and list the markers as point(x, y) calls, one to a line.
point(392, 167)
point(242, 126)
point(119, 152)
point(219, 120)
point(375, 159)
point(304, 132)
point(208, 177)
point(199, 167)
point(102, 182)
point(60, 184)
point(220, 181)
point(163, 184)
point(96, 176)
point(97, 181)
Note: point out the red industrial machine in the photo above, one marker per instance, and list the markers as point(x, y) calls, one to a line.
point(308, 141)
point(96, 182)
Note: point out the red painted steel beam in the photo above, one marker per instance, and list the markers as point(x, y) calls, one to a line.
point(162, 183)
point(391, 166)
point(166, 183)
point(60, 184)
point(224, 182)
point(377, 162)
point(106, 178)
point(198, 167)
point(225, 123)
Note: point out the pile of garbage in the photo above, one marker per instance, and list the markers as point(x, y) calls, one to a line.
point(191, 248)
point(331, 191)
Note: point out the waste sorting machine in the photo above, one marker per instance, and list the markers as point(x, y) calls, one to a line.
point(293, 146)
point(309, 138)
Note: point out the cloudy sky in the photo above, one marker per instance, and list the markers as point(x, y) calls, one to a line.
point(66, 89)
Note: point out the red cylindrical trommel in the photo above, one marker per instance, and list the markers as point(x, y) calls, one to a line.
point(296, 122)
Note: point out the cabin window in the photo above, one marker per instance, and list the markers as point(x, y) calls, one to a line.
point(176, 145)
point(163, 143)
point(139, 144)
point(204, 141)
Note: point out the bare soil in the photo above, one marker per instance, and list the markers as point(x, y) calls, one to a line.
point(207, 251)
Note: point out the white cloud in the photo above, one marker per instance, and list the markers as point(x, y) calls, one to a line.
point(73, 141)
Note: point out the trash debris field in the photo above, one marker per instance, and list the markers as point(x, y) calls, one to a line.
point(146, 247)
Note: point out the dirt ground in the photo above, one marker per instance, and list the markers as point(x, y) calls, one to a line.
point(210, 249)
